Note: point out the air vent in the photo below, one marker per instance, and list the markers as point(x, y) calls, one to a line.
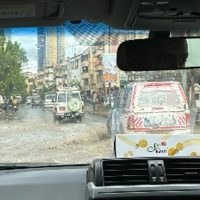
point(125, 172)
point(182, 170)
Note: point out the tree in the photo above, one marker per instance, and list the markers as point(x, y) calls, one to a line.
point(75, 83)
point(12, 56)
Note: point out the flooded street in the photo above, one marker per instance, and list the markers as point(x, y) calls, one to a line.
point(32, 135)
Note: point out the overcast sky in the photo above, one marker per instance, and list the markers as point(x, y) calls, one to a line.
point(27, 37)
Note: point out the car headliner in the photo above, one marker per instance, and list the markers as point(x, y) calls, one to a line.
point(124, 14)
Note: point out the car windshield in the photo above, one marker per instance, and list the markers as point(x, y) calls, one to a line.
point(133, 110)
point(36, 98)
point(50, 97)
point(61, 97)
point(72, 95)
point(159, 97)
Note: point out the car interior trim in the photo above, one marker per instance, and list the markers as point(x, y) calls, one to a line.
point(143, 190)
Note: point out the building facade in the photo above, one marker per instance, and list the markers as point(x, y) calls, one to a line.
point(41, 44)
point(92, 69)
point(51, 46)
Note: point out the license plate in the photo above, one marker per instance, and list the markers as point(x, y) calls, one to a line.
point(160, 132)
point(159, 121)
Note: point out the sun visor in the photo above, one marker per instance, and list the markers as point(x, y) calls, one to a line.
point(29, 13)
point(165, 15)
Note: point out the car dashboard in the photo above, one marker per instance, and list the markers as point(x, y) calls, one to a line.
point(45, 183)
point(135, 179)
point(132, 178)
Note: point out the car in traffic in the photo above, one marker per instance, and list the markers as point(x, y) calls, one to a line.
point(1, 101)
point(49, 101)
point(28, 100)
point(150, 107)
point(19, 99)
point(36, 101)
point(68, 105)
point(41, 160)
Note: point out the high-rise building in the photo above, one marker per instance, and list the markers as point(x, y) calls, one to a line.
point(51, 46)
point(41, 40)
point(60, 44)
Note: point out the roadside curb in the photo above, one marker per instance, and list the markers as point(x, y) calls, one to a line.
point(103, 113)
point(96, 113)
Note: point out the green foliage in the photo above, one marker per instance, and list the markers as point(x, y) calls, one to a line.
point(12, 56)
point(45, 90)
point(75, 83)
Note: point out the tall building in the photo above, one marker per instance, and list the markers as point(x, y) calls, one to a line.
point(51, 46)
point(60, 44)
point(41, 40)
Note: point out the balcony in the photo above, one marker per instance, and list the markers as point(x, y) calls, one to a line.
point(98, 68)
point(93, 86)
point(86, 87)
point(85, 63)
point(85, 75)
point(97, 61)
point(99, 85)
point(98, 52)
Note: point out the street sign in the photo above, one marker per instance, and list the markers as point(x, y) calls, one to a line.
point(109, 67)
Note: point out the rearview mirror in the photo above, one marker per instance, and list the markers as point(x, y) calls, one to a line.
point(153, 54)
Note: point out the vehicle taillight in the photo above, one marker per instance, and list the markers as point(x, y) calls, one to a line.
point(130, 125)
point(61, 108)
point(187, 119)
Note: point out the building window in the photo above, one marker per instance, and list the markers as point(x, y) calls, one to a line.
point(196, 96)
point(84, 58)
point(100, 76)
point(86, 82)
point(85, 69)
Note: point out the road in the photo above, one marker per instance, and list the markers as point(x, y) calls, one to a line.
point(31, 135)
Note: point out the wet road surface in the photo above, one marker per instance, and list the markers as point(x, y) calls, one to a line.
point(31, 135)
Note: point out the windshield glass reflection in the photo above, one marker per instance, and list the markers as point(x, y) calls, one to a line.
point(64, 100)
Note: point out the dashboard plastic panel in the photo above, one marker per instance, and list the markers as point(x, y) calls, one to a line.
point(43, 184)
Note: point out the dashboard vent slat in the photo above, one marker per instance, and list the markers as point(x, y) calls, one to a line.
point(125, 172)
point(182, 171)
point(144, 171)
